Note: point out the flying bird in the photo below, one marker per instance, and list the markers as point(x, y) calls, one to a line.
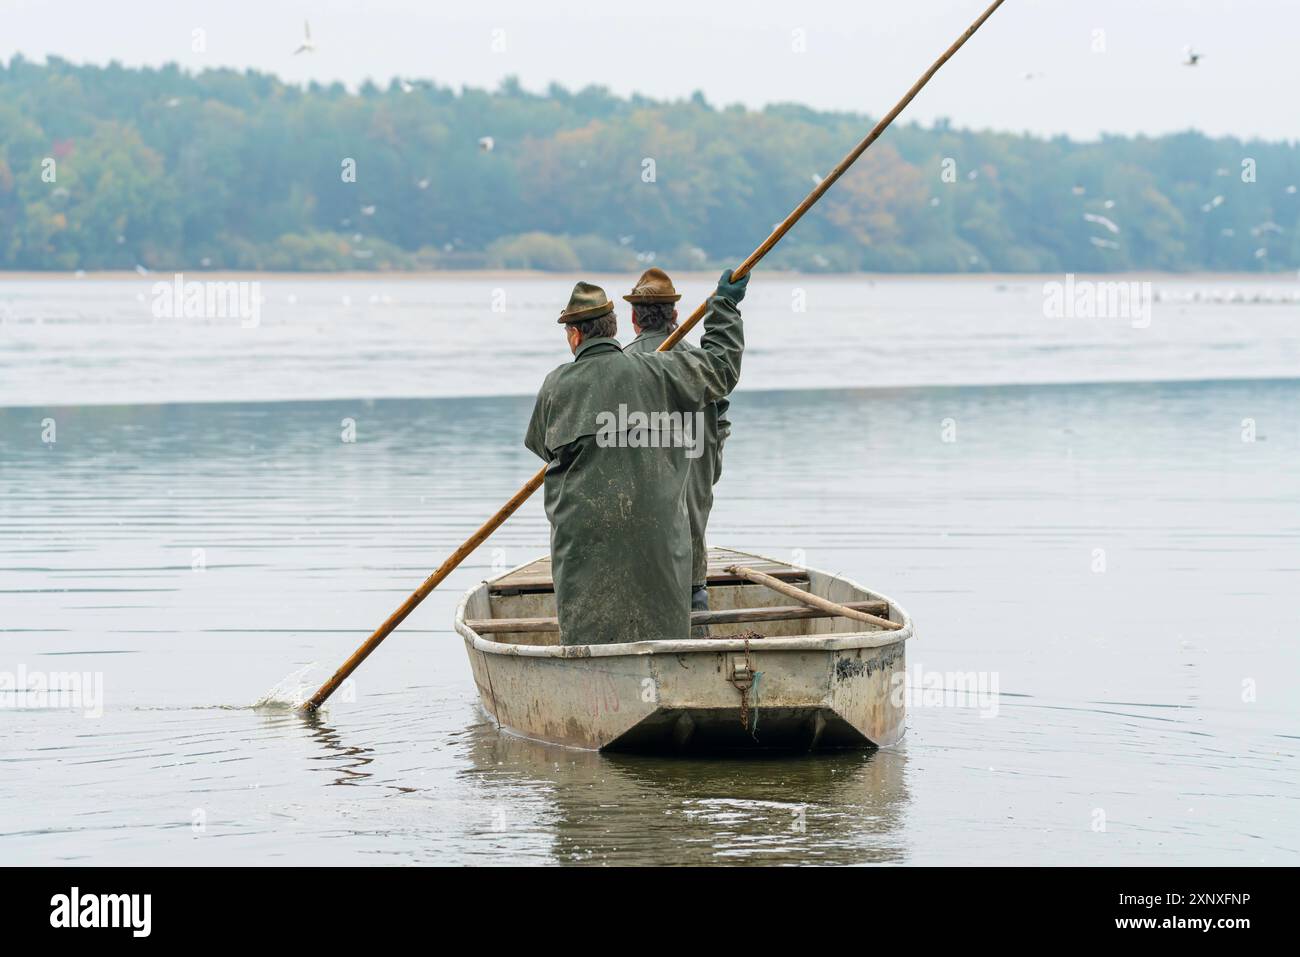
point(1101, 221)
point(308, 45)
point(485, 143)
point(1192, 56)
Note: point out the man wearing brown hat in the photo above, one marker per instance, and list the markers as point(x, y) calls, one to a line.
point(617, 431)
point(654, 317)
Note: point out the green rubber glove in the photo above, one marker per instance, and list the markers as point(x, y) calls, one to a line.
point(733, 289)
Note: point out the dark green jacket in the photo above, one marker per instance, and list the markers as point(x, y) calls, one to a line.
point(705, 470)
point(615, 491)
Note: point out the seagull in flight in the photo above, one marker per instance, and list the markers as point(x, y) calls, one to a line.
point(308, 45)
point(1101, 221)
point(1193, 57)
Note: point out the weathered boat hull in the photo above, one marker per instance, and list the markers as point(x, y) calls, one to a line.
point(821, 689)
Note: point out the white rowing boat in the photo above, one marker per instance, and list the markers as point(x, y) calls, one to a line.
point(769, 673)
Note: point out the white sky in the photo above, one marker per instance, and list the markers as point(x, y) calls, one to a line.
point(860, 55)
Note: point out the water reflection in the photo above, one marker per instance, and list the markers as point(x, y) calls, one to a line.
point(344, 760)
point(635, 809)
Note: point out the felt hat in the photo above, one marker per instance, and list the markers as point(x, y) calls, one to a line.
point(653, 286)
point(587, 302)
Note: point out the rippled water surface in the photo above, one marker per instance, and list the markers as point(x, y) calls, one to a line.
point(1116, 554)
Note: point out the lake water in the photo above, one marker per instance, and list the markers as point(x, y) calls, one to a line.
point(1073, 505)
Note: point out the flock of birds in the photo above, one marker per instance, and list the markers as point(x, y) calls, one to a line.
point(486, 143)
point(1260, 231)
point(1191, 58)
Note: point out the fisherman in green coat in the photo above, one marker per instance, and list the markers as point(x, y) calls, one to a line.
point(620, 433)
point(654, 317)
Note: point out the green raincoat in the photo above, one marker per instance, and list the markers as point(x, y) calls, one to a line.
point(616, 488)
point(705, 471)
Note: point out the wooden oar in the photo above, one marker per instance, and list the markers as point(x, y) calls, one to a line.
point(808, 598)
point(534, 483)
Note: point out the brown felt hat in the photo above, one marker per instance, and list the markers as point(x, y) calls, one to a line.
point(587, 302)
point(653, 286)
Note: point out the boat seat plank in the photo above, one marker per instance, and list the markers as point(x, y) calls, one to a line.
point(536, 575)
point(731, 616)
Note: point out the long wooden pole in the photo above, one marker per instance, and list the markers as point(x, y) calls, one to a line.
point(534, 483)
point(788, 223)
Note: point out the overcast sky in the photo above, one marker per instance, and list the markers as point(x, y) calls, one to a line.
point(1096, 65)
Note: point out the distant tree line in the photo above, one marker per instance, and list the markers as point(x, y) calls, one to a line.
point(114, 168)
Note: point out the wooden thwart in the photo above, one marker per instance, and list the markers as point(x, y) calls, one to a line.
point(816, 601)
point(494, 626)
point(536, 576)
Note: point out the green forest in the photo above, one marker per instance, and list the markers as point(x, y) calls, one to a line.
point(106, 167)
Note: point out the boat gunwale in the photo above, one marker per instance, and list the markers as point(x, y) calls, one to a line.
point(839, 641)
